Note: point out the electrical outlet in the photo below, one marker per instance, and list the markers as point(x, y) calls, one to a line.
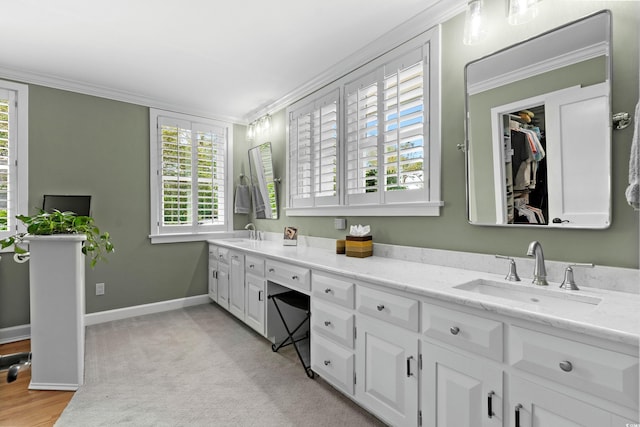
point(99, 288)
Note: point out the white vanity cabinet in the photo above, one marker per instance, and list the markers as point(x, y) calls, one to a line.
point(213, 273)
point(223, 277)
point(236, 284)
point(387, 359)
point(255, 286)
point(461, 381)
point(333, 330)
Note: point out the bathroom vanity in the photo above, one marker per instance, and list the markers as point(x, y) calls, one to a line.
point(422, 344)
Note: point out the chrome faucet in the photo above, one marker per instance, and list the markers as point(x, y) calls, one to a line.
point(252, 230)
point(539, 270)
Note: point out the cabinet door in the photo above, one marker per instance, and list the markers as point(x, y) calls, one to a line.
point(532, 405)
point(387, 371)
point(236, 285)
point(213, 273)
point(223, 285)
point(459, 390)
point(255, 302)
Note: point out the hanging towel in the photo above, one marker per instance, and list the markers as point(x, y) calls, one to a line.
point(258, 202)
point(243, 199)
point(633, 190)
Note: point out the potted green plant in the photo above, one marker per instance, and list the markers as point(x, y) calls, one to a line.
point(96, 245)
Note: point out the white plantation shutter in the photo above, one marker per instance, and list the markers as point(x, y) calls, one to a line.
point(388, 119)
point(191, 173)
point(13, 156)
point(313, 153)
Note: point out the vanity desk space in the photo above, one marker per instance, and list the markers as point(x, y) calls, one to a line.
point(422, 344)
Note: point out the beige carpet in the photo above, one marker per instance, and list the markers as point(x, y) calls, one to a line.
point(198, 366)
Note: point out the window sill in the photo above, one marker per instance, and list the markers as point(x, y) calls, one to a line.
point(188, 237)
point(404, 209)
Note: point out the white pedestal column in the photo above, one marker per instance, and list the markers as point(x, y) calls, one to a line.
point(56, 280)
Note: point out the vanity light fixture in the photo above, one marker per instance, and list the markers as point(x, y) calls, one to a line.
point(258, 127)
point(521, 11)
point(474, 25)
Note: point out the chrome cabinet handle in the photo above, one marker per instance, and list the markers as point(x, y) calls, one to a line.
point(327, 323)
point(454, 330)
point(251, 266)
point(260, 297)
point(294, 277)
point(566, 366)
point(271, 270)
point(518, 408)
point(328, 291)
point(490, 412)
point(380, 307)
point(327, 362)
point(221, 256)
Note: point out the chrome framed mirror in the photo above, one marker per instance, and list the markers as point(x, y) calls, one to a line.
point(264, 193)
point(538, 130)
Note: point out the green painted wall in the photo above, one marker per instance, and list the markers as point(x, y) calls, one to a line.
point(615, 246)
point(83, 144)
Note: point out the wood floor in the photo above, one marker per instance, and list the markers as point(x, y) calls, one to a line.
point(21, 407)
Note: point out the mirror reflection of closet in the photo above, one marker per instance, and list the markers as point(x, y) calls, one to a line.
point(526, 166)
point(263, 184)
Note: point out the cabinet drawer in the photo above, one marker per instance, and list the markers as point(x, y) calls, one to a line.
point(332, 289)
point(254, 265)
point(289, 275)
point(223, 255)
point(467, 331)
point(391, 308)
point(333, 363)
point(604, 373)
point(333, 323)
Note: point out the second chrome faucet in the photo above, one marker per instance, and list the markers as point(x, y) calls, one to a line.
point(539, 269)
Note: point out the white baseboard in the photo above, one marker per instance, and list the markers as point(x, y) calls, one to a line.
point(141, 310)
point(15, 333)
point(23, 332)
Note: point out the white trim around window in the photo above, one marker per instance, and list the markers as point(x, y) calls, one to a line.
point(190, 166)
point(387, 138)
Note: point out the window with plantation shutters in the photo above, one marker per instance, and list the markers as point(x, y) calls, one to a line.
point(313, 153)
point(190, 194)
point(387, 140)
point(13, 156)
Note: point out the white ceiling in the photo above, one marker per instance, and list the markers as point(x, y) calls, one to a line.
point(226, 59)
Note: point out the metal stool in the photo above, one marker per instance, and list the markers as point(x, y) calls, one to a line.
point(13, 363)
point(301, 302)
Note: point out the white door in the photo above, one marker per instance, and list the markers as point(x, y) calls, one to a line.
point(255, 302)
point(578, 133)
point(387, 371)
point(223, 285)
point(236, 285)
point(459, 390)
point(532, 405)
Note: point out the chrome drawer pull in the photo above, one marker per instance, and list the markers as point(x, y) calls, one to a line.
point(566, 366)
point(454, 330)
point(271, 270)
point(251, 266)
point(294, 277)
point(328, 291)
point(327, 323)
point(327, 362)
point(380, 307)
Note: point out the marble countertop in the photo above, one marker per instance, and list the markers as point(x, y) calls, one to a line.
point(616, 317)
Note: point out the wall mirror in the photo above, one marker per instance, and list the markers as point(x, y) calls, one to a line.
point(263, 184)
point(538, 130)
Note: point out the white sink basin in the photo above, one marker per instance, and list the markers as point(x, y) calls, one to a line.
point(543, 297)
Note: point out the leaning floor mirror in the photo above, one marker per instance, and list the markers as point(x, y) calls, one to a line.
point(263, 183)
point(538, 146)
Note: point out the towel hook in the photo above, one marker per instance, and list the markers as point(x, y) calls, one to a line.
point(621, 120)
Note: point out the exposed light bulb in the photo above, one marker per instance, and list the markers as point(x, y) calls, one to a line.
point(474, 25)
point(521, 11)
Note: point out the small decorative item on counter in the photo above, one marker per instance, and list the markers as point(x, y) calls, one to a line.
point(290, 236)
point(340, 246)
point(359, 243)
